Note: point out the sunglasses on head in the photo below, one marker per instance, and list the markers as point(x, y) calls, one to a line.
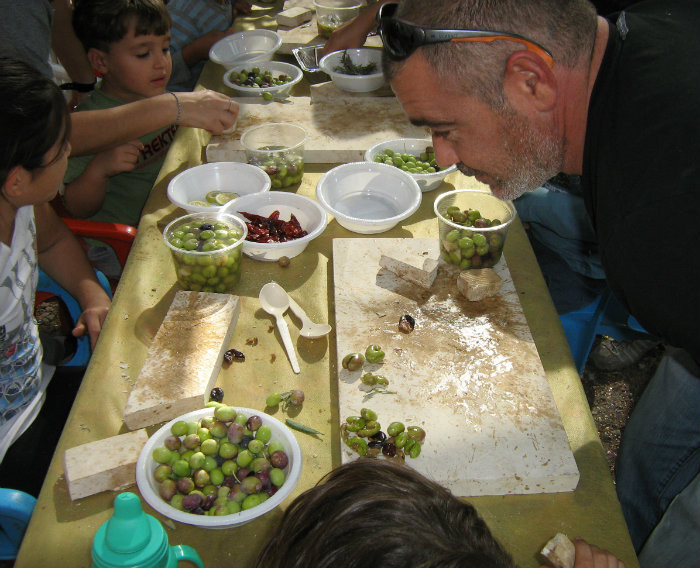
point(401, 38)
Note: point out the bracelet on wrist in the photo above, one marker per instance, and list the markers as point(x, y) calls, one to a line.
point(179, 108)
point(79, 87)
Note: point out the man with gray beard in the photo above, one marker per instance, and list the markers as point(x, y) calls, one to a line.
point(515, 92)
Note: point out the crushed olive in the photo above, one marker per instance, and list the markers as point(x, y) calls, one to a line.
point(233, 355)
point(406, 323)
point(216, 394)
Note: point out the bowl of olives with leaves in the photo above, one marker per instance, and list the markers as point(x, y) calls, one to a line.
point(355, 70)
point(270, 80)
point(278, 149)
point(207, 251)
point(473, 225)
point(207, 187)
point(415, 156)
point(219, 467)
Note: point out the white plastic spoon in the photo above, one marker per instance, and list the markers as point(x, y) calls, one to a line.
point(309, 329)
point(275, 304)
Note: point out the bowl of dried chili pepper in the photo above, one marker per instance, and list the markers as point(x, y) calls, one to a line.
point(279, 223)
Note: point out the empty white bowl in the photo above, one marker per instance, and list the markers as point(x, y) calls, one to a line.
point(310, 215)
point(360, 57)
point(275, 67)
point(248, 45)
point(415, 146)
point(368, 197)
point(148, 486)
point(231, 177)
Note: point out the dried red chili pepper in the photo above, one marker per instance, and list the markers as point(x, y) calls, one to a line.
point(272, 229)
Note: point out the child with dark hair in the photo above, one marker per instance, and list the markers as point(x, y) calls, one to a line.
point(34, 148)
point(383, 514)
point(128, 44)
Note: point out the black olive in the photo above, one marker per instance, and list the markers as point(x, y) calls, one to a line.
point(406, 323)
point(376, 444)
point(216, 394)
point(381, 436)
point(389, 450)
point(206, 227)
point(243, 444)
point(233, 355)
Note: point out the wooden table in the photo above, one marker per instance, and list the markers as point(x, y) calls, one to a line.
point(62, 531)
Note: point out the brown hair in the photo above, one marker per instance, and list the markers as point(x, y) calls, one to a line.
point(567, 28)
point(377, 513)
point(99, 23)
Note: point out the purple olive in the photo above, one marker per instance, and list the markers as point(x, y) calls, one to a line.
point(192, 501)
point(279, 459)
point(235, 432)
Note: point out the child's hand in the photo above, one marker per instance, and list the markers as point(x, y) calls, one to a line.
point(589, 556)
point(116, 160)
point(91, 320)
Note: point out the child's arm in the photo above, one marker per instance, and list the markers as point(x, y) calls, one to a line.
point(85, 195)
point(97, 130)
point(62, 258)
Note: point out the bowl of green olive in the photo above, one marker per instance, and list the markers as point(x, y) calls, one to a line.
point(219, 467)
point(473, 226)
point(207, 251)
point(278, 149)
point(415, 156)
point(270, 80)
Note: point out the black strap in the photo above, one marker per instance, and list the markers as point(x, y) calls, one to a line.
point(80, 87)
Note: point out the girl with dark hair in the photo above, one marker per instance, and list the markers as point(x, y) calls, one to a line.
point(34, 148)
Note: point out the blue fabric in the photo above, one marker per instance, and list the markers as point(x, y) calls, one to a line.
point(660, 450)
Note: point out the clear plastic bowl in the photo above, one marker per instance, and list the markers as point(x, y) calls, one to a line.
point(457, 243)
point(278, 149)
point(331, 14)
point(217, 270)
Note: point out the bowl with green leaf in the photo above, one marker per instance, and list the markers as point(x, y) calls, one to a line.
point(355, 70)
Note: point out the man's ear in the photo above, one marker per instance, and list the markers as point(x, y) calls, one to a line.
point(530, 81)
point(16, 182)
point(98, 59)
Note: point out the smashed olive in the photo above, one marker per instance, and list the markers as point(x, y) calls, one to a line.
point(353, 361)
point(374, 354)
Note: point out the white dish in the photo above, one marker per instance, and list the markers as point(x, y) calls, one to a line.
point(148, 487)
point(194, 183)
point(368, 197)
point(276, 68)
point(355, 83)
point(415, 146)
point(310, 215)
point(245, 46)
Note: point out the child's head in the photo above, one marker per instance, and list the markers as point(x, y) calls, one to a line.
point(128, 44)
point(34, 126)
point(382, 514)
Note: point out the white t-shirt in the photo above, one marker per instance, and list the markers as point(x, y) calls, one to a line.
point(23, 378)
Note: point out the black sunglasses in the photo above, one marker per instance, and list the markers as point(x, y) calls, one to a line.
point(401, 38)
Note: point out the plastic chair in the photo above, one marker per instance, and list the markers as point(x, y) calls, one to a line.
point(604, 316)
point(118, 236)
point(16, 509)
point(47, 288)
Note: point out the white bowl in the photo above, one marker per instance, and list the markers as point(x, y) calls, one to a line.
point(355, 83)
point(194, 183)
point(368, 197)
point(415, 146)
point(248, 45)
point(148, 486)
point(310, 215)
point(275, 67)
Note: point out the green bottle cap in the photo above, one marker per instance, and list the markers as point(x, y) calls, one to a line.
point(130, 538)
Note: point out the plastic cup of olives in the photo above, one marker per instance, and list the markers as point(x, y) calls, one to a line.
point(207, 251)
point(277, 148)
point(473, 226)
point(331, 14)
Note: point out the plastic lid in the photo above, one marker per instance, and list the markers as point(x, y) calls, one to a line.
point(130, 538)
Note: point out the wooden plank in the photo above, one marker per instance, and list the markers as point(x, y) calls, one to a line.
point(469, 374)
